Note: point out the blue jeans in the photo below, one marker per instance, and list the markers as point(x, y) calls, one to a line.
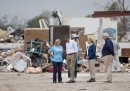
point(57, 67)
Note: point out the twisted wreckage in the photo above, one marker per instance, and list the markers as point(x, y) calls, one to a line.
point(24, 52)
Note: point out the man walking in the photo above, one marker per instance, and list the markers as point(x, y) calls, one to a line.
point(71, 53)
point(116, 63)
point(108, 54)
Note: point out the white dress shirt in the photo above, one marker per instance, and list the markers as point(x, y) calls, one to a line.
point(71, 47)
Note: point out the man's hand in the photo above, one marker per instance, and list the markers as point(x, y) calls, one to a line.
point(76, 53)
point(51, 54)
point(87, 57)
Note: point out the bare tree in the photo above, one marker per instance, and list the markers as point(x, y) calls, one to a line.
point(17, 22)
point(13, 21)
point(4, 20)
point(119, 5)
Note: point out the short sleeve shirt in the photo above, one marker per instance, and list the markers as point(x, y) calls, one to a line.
point(57, 51)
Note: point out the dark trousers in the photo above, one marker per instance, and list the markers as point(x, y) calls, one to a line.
point(57, 67)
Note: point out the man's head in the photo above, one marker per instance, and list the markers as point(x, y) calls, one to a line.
point(105, 36)
point(67, 38)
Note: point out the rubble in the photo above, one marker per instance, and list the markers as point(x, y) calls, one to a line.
point(3, 36)
point(31, 46)
point(15, 59)
point(33, 70)
point(19, 61)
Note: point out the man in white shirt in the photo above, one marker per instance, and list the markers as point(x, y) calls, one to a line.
point(71, 53)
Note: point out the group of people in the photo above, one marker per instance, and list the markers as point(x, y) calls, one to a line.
point(56, 53)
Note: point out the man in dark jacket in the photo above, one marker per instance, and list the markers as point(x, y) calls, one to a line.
point(108, 55)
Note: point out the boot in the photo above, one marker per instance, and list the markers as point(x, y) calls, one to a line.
point(91, 80)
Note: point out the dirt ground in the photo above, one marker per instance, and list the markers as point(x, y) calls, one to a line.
point(43, 82)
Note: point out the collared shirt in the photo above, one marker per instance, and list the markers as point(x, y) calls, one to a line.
point(57, 51)
point(71, 47)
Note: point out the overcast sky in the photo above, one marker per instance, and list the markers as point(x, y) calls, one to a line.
point(69, 8)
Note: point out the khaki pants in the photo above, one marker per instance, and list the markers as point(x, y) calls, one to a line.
point(71, 59)
point(91, 64)
point(108, 60)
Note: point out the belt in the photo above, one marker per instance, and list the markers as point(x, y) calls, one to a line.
point(71, 54)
